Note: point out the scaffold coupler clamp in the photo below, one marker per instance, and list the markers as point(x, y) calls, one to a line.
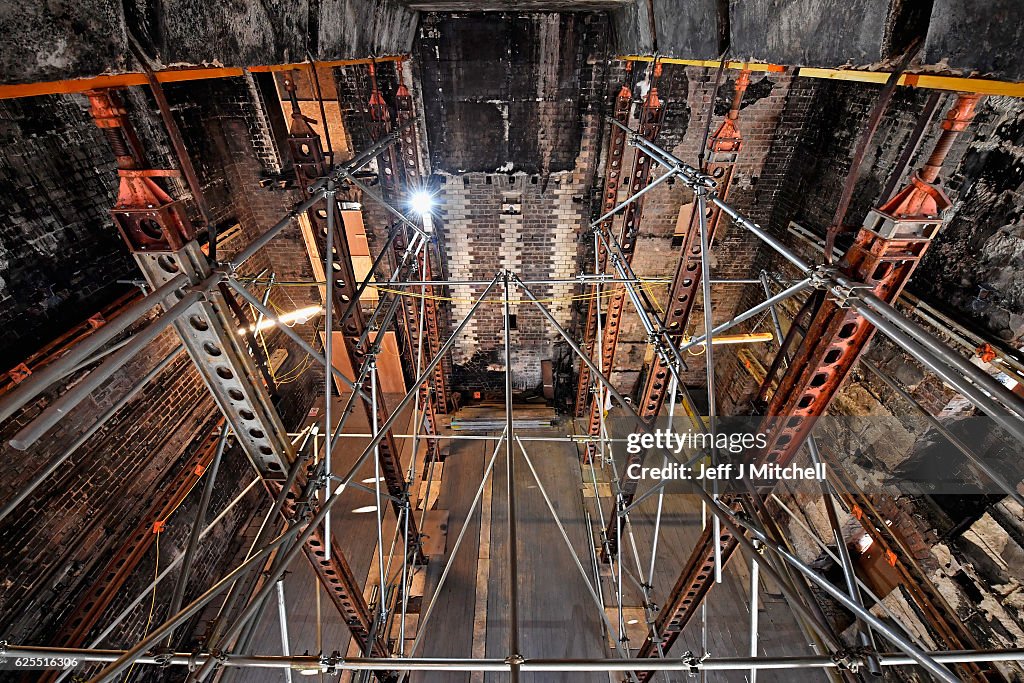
point(193, 660)
point(515, 660)
point(693, 662)
point(823, 277)
point(331, 665)
point(849, 659)
point(162, 656)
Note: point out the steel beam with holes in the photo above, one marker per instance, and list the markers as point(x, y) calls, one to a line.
point(163, 243)
point(612, 180)
point(410, 147)
point(311, 165)
point(652, 114)
point(885, 252)
point(404, 174)
point(724, 147)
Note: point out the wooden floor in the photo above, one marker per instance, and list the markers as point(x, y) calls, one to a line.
point(558, 617)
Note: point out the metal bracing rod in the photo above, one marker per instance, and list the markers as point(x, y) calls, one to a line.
point(282, 622)
point(616, 394)
point(975, 459)
point(651, 149)
point(312, 664)
point(893, 323)
point(510, 483)
point(864, 634)
point(418, 426)
point(262, 536)
point(675, 363)
point(424, 376)
point(781, 566)
point(572, 551)
point(374, 419)
point(127, 658)
point(316, 193)
point(636, 195)
point(579, 279)
point(193, 539)
point(287, 556)
point(171, 567)
point(365, 284)
point(27, 490)
point(329, 199)
point(380, 200)
point(987, 383)
point(754, 585)
point(709, 359)
point(57, 410)
point(294, 336)
point(425, 617)
point(767, 304)
point(39, 380)
point(371, 325)
point(734, 524)
point(714, 506)
point(961, 382)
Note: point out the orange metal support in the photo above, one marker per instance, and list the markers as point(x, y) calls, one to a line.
point(613, 177)
point(725, 146)
point(94, 601)
point(651, 116)
point(310, 164)
point(885, 253)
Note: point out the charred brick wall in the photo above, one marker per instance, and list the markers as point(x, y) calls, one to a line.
point(61, 536)
point(59, 256)
point(965, 275)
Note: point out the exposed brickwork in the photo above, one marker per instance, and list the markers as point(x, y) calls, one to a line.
point(63, 534)
point(755, 188)
point(59, 257)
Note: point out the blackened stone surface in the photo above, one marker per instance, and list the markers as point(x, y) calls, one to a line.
point(501, 91)
point(688, 28)
point(62, 39)
point(53, 40)
point(59, 254)
point(632, 29)
point(982, 37)
point(821, 33)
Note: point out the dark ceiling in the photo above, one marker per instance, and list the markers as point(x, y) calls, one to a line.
point(512, 5)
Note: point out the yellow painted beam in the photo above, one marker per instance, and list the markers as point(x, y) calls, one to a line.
point(170, 76)
point(750, 66)
point(981, 86)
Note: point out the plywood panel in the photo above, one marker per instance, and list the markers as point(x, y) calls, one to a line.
point(389, 365)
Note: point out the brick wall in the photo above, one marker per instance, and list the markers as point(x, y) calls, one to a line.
point(689, 93)
point(59, 256)
point(62, 535)
point(819, 130)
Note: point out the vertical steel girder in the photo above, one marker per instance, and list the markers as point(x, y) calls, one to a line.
point(311, 165)
point(612, 179)
point(94, 602)
point(210, 338)
point(400, 171)
point(725, 146)
point(885, 252)
point(651, 116)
